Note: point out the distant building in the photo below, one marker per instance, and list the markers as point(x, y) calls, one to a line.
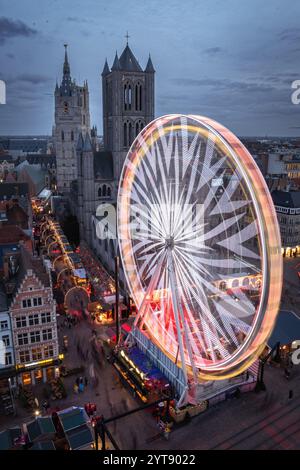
point(7, 360)
point(11, 239)
point(6, 166)
point(287, 206)
point(33, 316)
point(20, 146)
point(34, 175)
point(72, 117)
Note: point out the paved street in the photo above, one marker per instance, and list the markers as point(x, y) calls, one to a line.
point(267, 420)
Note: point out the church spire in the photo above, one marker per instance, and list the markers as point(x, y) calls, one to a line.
point(105, 68)
point(66, 62)
point(66, 84)
point(116, 64)
point(149, 66)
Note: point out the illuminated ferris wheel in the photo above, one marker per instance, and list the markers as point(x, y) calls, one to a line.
point(200, 245)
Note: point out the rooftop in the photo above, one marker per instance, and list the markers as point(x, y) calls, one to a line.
point(289, 199)
point(40, 427)
point(8, 190)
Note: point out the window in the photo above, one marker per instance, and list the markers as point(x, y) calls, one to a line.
point(37, 301)
point(62, 135)
point(48, 351)
point(108, 192)
point(104, 190)
point(4, 325)
point(65, 107)
point(24, 356)
point(8, 358)
point(138, 97)
point(127, 131)
point(138, 126)
point(6, 341)
point(22, 339)
point(21, 322)
point(34, 319)
point(46, 317)
point(35, 336)
point(47, 334)
point(36, 354)
point(26, 303)
point(127, 97)
point(72, 135)
point(100, 192)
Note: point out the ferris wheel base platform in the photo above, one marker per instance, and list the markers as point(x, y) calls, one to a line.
point(189, 393)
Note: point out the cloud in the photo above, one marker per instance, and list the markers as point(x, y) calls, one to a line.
point(213, 50)
point(33, 79)
point(10, 28)
point(225, 84)
point(77, 19)
point(290, 35)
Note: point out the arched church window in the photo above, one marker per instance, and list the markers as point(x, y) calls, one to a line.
point(127, 96)
point(129, 134)
point(72, 135)
point(100, 192)
point(62, 135)
point(108, 192)
point(138, 126)
point(125, 134)
point(138, 97)
point(104, 190)
point(66, 108)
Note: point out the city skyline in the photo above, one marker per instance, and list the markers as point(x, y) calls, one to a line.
point(221, 67)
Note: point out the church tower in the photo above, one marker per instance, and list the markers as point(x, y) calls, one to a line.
point(72, 117)
point(128, 103)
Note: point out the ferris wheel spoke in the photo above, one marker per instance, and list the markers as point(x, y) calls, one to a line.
point(223, 227)
point(234, 242)
point(216, 330)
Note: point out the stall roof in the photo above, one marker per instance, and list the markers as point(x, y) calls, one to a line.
point(145, 364)
point(79, 437)
point(45, 445)
point(39, 427)
point(287, 328)
point(8, 437)
point(72, 418)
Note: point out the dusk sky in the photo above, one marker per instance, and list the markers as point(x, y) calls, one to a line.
point(231, 60)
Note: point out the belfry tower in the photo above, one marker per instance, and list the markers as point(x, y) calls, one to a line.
point(72, 116)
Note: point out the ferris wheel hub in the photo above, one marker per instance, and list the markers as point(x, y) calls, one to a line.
point(169, 243)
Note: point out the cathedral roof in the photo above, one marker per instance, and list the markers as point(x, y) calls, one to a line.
point(128, 62)
point(105, 68)
point(87, 144)
point(103, 165)
point(149, 66)
point(116, 64)
point(80, 142)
